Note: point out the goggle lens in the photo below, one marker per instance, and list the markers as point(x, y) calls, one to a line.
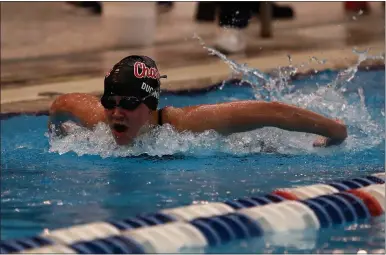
point(127, 103)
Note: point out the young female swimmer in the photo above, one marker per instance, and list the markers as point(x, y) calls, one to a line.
point(130, 100)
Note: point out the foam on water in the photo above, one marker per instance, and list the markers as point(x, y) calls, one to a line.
point(164, 140)
point(339, 99)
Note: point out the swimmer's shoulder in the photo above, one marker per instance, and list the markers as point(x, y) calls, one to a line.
point(167, 115)
point(174, 116)
point(70, 99)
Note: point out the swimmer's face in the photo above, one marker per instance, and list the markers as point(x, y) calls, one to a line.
point(125, 124)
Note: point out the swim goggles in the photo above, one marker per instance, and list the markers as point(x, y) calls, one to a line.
point(127, 103)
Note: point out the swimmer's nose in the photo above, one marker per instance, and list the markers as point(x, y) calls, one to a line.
point(117, 113)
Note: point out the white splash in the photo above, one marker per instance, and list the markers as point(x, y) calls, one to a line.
point(330, 100)
point(165, 140)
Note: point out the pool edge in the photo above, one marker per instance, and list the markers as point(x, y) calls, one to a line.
point(28, 100)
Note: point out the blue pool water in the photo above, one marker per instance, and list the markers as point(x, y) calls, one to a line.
point(51, 184)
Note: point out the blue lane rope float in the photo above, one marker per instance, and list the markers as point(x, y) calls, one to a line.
point(202, 225)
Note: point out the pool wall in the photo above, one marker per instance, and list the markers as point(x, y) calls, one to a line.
point(198, 226)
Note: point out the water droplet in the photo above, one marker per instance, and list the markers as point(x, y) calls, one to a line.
point(289, 59)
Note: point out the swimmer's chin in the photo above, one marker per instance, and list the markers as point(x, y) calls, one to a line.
point(122, 138)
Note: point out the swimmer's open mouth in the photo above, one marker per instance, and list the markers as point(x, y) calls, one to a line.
point(120, 128)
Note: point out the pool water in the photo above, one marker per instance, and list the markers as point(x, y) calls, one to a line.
point(84, 177)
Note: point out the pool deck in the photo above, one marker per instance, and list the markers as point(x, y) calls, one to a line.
point(34, 72)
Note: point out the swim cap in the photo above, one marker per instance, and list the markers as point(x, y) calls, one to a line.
point(136, 76)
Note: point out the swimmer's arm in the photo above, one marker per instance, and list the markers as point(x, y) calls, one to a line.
point(82, 109)
point(242, 116)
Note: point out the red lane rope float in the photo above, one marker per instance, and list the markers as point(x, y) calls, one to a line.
point(286, 194)
point(372, 204)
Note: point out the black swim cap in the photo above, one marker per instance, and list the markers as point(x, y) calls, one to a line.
point(136, 76)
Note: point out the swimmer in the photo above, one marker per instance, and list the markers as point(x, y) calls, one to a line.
point(130, 100)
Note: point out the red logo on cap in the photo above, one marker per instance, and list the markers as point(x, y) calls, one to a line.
point(146, 71)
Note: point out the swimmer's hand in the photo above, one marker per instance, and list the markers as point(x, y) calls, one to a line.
point(322, 141)
point(69, 127)
point(63, 129)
